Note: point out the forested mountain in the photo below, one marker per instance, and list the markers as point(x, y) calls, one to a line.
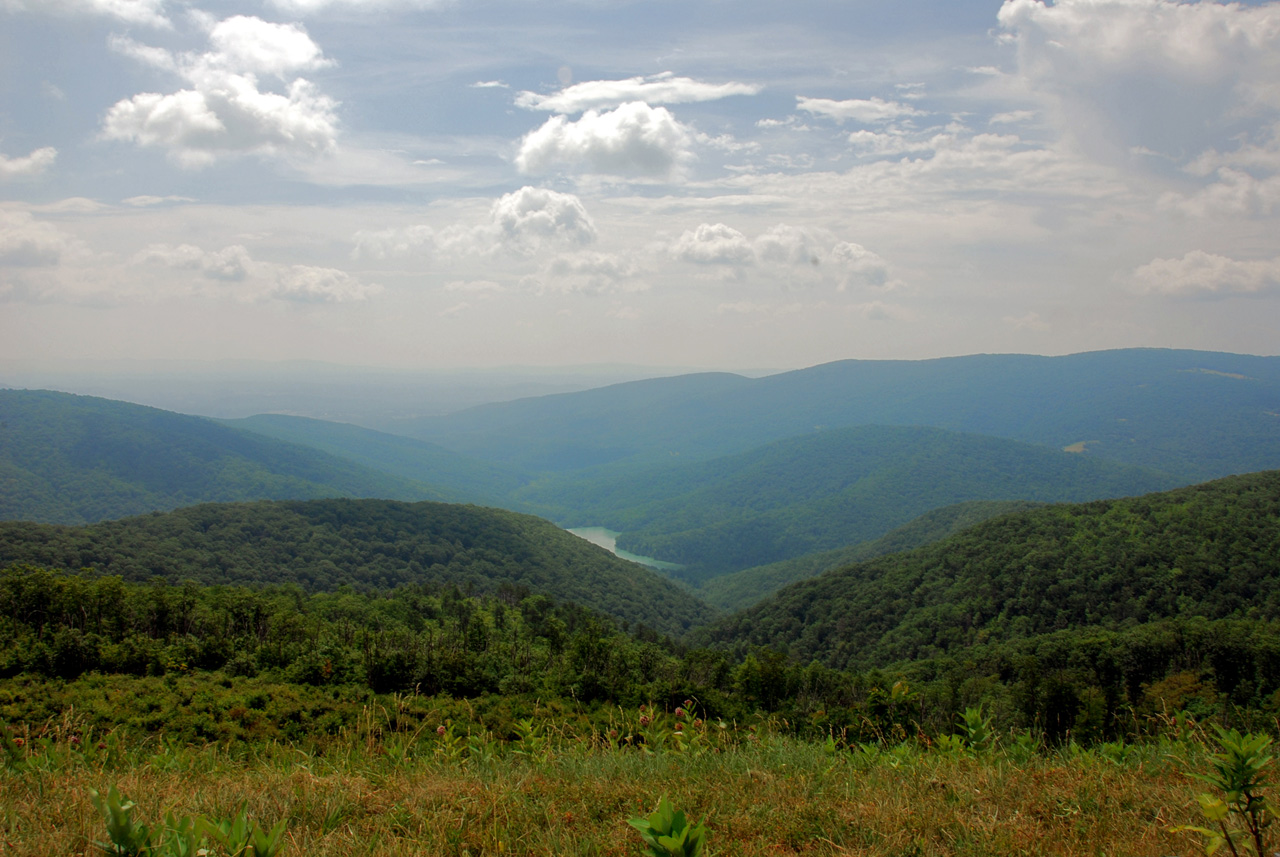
point(1210, 551)
point(741, 589)
point(76, 459)
point(368, 544)
point(457, 477)
point(823, 491)
point(1195, 414)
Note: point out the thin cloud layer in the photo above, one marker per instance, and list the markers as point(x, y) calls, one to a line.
point(663, 88)
point(869, 111)
point(146, 12)
point(30, 165)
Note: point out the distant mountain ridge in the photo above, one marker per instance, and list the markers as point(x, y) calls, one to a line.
point(1195, 414)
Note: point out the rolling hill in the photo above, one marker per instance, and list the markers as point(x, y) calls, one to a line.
point(1210, 551)
point(367, 544)
point(741, 589)
point(77, 459)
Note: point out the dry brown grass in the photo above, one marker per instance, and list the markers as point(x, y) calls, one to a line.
point(785, 798)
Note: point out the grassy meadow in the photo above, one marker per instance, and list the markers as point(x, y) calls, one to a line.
point(455, 789)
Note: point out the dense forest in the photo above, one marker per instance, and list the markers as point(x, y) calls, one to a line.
point(741, 589)
point(366, 544)
point(1210, 551)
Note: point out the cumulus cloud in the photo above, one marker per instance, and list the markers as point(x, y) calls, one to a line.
point(531, 216)
point(714, 244)
point(1201, 274)
point(31, 165)
point(871, 111)
point(147, 12)
point(310, 284)
point(226, 110)
point(521, 223)
point(230, 264)
point(591, 273)
point(250, 280)
point(633, 140)
point(816, 252)
point(663, 88)
point(28, 243)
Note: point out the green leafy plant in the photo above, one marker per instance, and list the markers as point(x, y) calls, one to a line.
point(240, 837)
point(128, 838)
point(667, 833)
point(975, 729)
point(1239, 772)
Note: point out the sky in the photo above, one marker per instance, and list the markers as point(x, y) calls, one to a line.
point(430, 184)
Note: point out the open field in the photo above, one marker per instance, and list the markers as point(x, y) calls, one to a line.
point(405, 794)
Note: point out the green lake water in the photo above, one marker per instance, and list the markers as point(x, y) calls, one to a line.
point(608, 539)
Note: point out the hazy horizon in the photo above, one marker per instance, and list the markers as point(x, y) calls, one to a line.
point(440, 184)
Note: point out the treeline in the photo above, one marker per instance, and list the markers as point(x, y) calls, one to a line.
point(515, 650)
point(365, 544)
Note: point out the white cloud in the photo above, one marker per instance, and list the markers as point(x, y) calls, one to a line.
point(489, 84)
point(250, 280)
point(891, 142)
point(310, 7)
point(663, 88)
point(522, 223)
point(1012, 117)
point(146, 200)
point(1170, 77)
point(310, 284)
point(147, 12)
point(714, 244)
point(1201, 274)
point(230, 264)
point(28, 243)
point(633, 140)
point(590, 272)
point(858, 265)
point(816, 254)
point(30, 165)
point(1236, 193)
point(867, 111)
point(226, 111)
point(530, 217)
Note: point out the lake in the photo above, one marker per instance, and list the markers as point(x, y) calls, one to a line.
point(608, 539)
